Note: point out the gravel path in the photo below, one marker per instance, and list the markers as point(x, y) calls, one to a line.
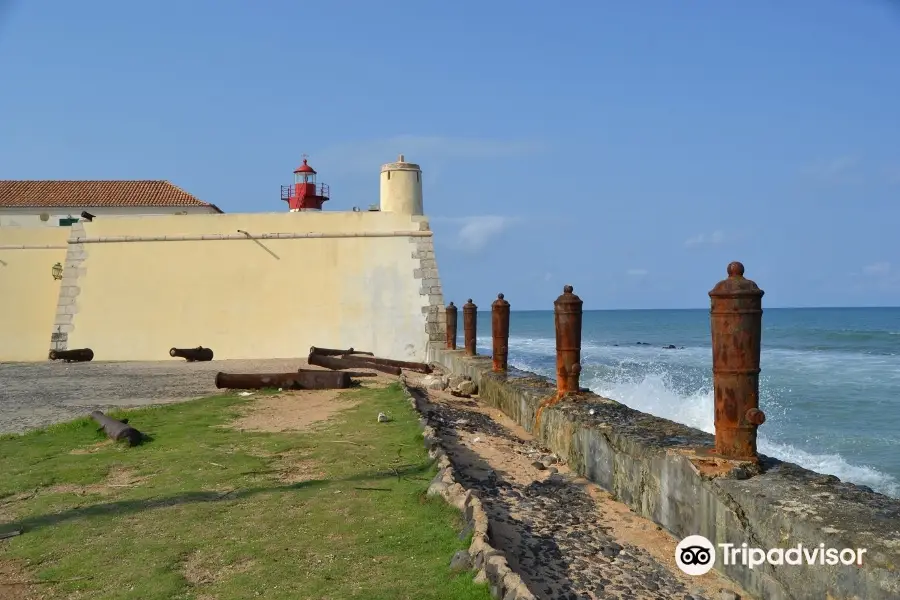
point(565, 537)
point(35, 395)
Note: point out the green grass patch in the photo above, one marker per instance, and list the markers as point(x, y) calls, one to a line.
point(206, 511)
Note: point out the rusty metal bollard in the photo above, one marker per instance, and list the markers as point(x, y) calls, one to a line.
point(452, 321)
point(736, 325)
point(567, 315)
point(470, 325)
point(500, 332)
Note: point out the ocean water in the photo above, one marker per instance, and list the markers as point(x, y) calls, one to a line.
point(830, 381)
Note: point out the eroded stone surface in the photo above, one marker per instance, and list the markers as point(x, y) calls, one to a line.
point(554, 534)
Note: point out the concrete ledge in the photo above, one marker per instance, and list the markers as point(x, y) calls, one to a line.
point(490, 563)
point(659, 469)
point(32, 247)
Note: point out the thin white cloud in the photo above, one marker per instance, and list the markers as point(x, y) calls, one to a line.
point(476, 232)
point(841, 169)
point(367, 156)
point(548, 276)
point(705, 239)
point(878, 269)
point(892, 174)
point(637, 272)
point(881, 276)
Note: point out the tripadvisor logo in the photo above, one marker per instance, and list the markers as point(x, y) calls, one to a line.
point(696, 555)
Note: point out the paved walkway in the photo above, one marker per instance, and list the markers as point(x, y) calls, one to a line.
point(35, 395)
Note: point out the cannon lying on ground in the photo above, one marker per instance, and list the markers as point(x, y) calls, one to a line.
point(403, 364)
point(118, 430)
point(198, 354)
point(301, 380)
point(350, 373)
point(350, 362)
point(335, 352)
point(78, 355)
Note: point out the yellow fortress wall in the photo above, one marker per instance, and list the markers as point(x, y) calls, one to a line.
point(252, 285)
point(257, 285)
point(28, 291)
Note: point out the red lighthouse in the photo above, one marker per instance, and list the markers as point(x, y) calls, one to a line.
point(305, 194)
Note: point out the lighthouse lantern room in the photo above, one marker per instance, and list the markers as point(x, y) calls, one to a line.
point(305, 193)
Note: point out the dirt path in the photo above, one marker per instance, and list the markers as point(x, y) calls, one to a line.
point(566, 538)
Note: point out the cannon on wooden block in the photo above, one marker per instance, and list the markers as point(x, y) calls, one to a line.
point(198, 354)
point(350, 362)
point(118, 430)
point(77, 355)
point(336, 352)
point(300, 380)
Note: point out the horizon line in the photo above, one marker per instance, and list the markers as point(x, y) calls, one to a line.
point(765, 308)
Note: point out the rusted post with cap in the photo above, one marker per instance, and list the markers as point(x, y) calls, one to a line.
point(452, 320)
point(470, 325)
point(735, 317)
point(500, 332)
point(567, 315)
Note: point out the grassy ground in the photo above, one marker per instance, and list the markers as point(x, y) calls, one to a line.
point(205, 511)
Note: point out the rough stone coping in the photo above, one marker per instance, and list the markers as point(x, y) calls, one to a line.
point(661, 470)
point(490, 563)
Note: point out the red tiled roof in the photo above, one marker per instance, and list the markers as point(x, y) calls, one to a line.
point(86, 194)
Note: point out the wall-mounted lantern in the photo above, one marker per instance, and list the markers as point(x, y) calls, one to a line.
point(57, 271)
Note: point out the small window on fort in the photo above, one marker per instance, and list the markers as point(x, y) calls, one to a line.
point(417, 176)
point(67, 222)
point(389, 174)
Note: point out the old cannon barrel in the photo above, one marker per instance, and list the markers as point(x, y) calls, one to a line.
point(350, 362)
point(736, 327)
point(452, 322)
point(403, 364)
point(470, 327)
point(350, 373)
point(198, 354)
point(336, 352)
point(77, 355)
point(567, 315)
point(118, 430)
point(299, 380)
point(500, 333)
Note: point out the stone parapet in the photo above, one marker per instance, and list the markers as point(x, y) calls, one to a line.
point(662, 471)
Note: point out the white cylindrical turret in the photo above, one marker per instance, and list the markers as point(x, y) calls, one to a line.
point(401, 188)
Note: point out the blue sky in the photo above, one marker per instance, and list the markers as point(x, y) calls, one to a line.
point(631, 149)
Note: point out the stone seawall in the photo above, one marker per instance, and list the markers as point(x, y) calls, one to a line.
point(657, 467)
